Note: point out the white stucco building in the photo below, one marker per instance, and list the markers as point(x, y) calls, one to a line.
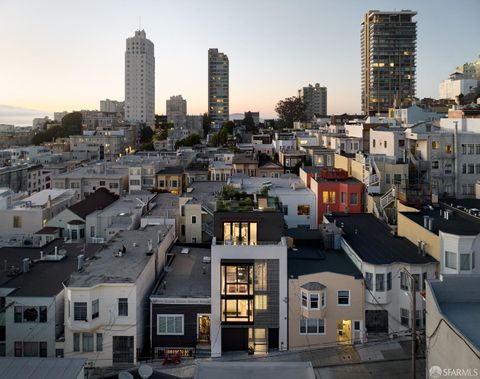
point(105, 302)
point(140, 79)
point(455, 85)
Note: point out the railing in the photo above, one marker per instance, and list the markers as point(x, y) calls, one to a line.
point(387, 198)
point(207, 227)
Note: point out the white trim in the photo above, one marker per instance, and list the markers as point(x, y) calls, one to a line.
point(166, 315)
point(349, 299)
point(180, 300)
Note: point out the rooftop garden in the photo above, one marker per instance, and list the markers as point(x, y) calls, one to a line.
point(231, 199)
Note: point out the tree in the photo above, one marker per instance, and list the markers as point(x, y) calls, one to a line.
point(71, 125)
point(146, 134)
point(191, 140)
point(229, 125)
point(249, 122)
point(290, 109)
point(162, 136)
point(206, 121)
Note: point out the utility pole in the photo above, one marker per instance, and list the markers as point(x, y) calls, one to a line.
point(413, 318)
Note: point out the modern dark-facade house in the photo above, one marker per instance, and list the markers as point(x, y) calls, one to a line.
point(249, 278)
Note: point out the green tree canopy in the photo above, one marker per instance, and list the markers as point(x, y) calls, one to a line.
point(146, 134)
point(191, 140)
point(290, 109)
point(71, 125)
point(249, 122)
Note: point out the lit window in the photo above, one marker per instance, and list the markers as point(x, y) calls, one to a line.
point(303, 210)
point(261, 302)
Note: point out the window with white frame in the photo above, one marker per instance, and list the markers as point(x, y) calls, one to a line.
point(380, 282)
point(304, 300)
point(314, 304)
point(170, 324)
point(450, 260)
point(323, 299)
point(369, 281)
point(403, 281)
point(343, 297)
point(312, 326)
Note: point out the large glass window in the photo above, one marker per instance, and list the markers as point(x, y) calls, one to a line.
point(87, 342)
point(244, 233)
point(238, 280)
point(237, 310)
point(465, 262)
point(261, 302)
point(260, 275)
point(328, 197)
point(237, 293)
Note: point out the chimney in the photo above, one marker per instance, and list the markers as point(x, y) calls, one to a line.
point(80, 262)
point(26, 264)
point(430, 223)
point(425, 222)
point(56, 252)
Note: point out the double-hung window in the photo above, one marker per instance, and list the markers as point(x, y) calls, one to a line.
point(343, 297)
point(380, 282)
point(312, 326)
point(80, 311)
point(314, 301)
point(123, 306)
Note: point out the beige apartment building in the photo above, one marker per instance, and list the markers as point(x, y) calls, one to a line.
point(326, 294)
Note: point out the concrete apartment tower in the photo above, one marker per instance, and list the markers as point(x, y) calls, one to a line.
point(218, 86)
point(388, 44)
point(177, 111)
point(316, 99)
point(140, 79)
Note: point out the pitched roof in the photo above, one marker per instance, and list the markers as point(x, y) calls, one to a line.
point(100, 199)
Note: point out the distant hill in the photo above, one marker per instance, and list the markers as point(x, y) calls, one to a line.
point(20, 116)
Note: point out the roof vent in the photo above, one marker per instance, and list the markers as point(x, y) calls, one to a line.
point(26, 264)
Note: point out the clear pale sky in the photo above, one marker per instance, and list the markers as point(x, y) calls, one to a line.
point(65, 55)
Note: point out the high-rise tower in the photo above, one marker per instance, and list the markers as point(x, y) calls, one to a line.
point(218, 87)
point(389, 41)
point(140, 79)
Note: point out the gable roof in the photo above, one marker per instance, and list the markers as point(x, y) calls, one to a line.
point(100, 199)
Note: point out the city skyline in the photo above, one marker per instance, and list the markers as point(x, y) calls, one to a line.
point(65, 66)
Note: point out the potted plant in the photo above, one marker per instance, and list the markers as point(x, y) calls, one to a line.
point(251, 350)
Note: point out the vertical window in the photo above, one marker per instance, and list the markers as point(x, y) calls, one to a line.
point(450, 260)
point(253, 233)
point(424, 281)
point(343, 297)
point(416, 277)
point(18, 314)
point(353, 198)
point(95, 308)
point(465, 262)
point(435, 145)
point(304, 300)
point(403, 281)
point(356, 325)
point(380, 282)
point(404, 317)
point(76, 341)
point(43, 314)
point(194, 219)
point(260, 274)
point(369, 281)
point(314, 301)
point(418, 319)
point(343, 197)
point(79, 311)
point(123, 306)
point(182, 230)
point(261, 302)
point(99, 341)
point(323, 300)
point(389, 281)
point(87, 342)
point(285, 210)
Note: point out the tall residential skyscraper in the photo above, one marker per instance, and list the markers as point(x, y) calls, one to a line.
point(389, 41)
point(316, 99)
point(218, 98)
point(177, 111)
point(140, 79)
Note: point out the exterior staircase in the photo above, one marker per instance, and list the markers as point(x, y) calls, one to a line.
point(203, 350)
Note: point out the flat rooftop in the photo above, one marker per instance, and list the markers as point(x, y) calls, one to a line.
point(185, 276)
point(204, 191)
point(458, 299)
point(254, 370)
point(45, 277)
point(459, 222)
point(309, 256)
point(166, 204)
point(106, 268)
point(277, 186)
point(373, 241)
point(39, 368)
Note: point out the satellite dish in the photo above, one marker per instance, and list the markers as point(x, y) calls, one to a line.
point(125, 375)
point(145, 371)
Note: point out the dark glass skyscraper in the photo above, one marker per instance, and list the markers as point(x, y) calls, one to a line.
point(389, 42)
point(218, 90)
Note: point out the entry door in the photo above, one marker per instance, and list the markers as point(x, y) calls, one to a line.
point(122, 349)
point(204, 329)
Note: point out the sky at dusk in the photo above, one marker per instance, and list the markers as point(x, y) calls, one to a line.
point(68, 55)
